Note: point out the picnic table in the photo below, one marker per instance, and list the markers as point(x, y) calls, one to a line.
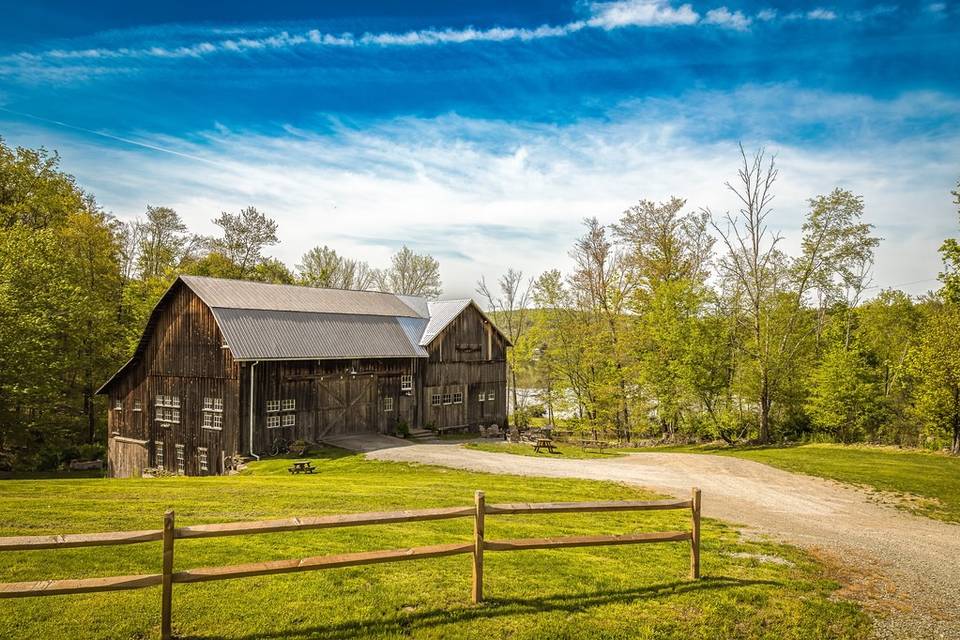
point(544, 443)
point(302, 466)
point(599, 445)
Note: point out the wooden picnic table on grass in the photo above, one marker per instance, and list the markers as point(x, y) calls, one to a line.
point(599, 445)
point(544, 443)
point(302, 466)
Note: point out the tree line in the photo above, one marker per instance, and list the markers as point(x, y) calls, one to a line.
point(678, 325)
point(77, 285)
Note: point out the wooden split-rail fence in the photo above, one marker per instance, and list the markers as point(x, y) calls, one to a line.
point(478, 511)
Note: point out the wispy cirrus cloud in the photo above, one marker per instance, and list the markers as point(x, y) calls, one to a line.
point(216, 41)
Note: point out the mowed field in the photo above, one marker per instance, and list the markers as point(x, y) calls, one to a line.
point(750, 589)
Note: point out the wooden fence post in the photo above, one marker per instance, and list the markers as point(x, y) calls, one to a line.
point(695, 534)
point(478, 523)
point(167, 584)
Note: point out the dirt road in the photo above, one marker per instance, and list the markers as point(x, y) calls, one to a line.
point(906, 568)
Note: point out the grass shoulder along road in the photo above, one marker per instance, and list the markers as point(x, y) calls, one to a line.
point(563, 450)
point(750, 589)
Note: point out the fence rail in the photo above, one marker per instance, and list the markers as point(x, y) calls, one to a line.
point(478, 512)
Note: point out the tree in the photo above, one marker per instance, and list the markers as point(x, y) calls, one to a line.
point(322, 267)
point(510, 308)
point(245, 235)
point(162, 240)
point(845, 398)
point(411, 274)
point(935, 366)
point(950, 253)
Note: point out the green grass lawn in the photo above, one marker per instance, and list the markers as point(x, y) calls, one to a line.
point(522, 449)
point(609, 592)
point(932, 477)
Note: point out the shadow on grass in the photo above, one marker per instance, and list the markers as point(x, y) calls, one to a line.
point(493, 607)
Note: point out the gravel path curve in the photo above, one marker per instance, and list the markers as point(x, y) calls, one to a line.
point(904, 568)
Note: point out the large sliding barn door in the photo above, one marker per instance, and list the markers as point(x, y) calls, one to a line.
point(347, 405)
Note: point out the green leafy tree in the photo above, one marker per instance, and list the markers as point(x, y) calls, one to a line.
point(244, 237)
point(323, 267)
point(845, 398)
point(950, 253)
point(935, 366)
point(411, 274)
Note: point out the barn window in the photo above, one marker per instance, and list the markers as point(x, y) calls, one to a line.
point(289, 419)
point(491, 396)
point(137, 405)
point(458, 397)
point(180, 458)
point(273, 405)
point(388, 404)
point(202, 458)
point(406, 382)
point(218, 421)
point(213, 404)
point(158, 454)
point(213, 421)
point(447, 398)
point(482, 397)
point(435, 400)
point(273, 422)
point(118, 405)
point(289, 405)
point(167, 416)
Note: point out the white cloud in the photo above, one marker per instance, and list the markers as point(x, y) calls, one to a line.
point(766, 15)
point(723, 17)
point(645, 13)
point(482, 195)
point(821, 14)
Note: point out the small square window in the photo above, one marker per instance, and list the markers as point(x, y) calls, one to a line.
point(289, 405)
point(161, 401)
point(273, 422)
point(435, 400)
point(491, 396)
point(289, 419)
point(207, 420)
point(447, 398)
point(175, 415)
point(273, 405)
point(458, 398)
point(482, 396)
point(202, 458)
point(218, 421)
point(406, 382)
point(137, 405)
point(118, 405)
point(174, 401)
point(388, 404)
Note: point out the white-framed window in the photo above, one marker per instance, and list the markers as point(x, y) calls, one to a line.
point(213, 404)
point(273, 422)
point(202, 458)
point(491, 396)
point(137, 405)
point(158, 454)
point(168, 401)
point(213, 421)
point(273, 405)
point(289, 419)
point(181, 460)
point(167, 416)
point(447, 398)
point(435, 400)
point(388, 404)
point(458, 397)
point(289, 404)
point(218, 421)
point(118, 405)
point(406, 382)
point(482, 396)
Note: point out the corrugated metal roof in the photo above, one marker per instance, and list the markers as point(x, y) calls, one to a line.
point(441, 314)
point(257, 334)
point(241, 294)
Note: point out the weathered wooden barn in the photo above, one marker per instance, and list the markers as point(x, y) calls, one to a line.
point(227, 366)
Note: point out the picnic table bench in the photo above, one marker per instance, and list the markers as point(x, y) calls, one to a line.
point(544, 443)
point(302, 466)
point(599, 445)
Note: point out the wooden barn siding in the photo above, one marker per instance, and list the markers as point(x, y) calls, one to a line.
point(183, 357)
point(469, 356)
point(315, 387)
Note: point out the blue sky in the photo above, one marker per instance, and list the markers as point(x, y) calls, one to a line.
point(484, 132)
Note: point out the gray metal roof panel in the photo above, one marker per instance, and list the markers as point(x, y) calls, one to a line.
point(241, 294)
point(253, 334)
point(442, 313)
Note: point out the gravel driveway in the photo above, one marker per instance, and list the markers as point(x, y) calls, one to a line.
point(904, 568)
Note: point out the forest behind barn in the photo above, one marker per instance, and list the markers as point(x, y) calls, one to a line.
point(673, 324)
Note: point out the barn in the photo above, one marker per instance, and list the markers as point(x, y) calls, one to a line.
point(226, 367)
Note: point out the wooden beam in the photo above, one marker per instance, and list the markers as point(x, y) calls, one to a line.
point(64, 541)
point(586, 507)
point(85, 585)
point(695, 534)
point(322, 522)
point(166, 596)
point(478, 527)
point(320, 562)
point(586, 541)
